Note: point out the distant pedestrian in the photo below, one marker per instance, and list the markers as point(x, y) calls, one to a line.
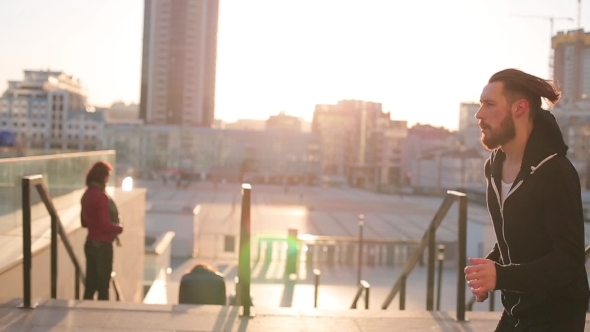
point(99, 214)
point(534, 199)
point(202, 285)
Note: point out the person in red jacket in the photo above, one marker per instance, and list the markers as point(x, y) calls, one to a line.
point(102, 229)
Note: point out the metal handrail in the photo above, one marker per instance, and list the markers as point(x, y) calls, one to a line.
point(428, 240)
point(471, 302)
point(397, 287)
point(338, 248)
point(363, 287)
point(326, 239)
point(56, 228)
point(116, 287)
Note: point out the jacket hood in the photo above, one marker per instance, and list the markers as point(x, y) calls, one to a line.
point(545, 141)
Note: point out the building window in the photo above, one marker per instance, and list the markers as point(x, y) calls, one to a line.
point(229, 243)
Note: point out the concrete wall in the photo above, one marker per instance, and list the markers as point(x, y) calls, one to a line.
point(129, 258)
point(183, 223)
point(128, 261)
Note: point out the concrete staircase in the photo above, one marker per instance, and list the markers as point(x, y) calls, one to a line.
point(94, 316)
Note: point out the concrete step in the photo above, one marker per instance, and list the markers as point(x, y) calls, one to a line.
point(94, 316)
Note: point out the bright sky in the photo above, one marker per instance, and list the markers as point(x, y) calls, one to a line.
point(419, 58)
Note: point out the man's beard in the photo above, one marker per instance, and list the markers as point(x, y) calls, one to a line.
point(501, 135)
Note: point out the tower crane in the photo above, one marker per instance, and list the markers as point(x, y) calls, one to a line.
point(579, 14)
point(551, 20)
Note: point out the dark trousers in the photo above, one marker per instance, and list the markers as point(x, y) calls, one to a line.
point(99, 265)
point(574, 323)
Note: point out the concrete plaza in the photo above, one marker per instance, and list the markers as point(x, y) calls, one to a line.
point(317, 211)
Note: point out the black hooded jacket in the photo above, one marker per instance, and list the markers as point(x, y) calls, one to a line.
point(539, 250)
point(202, 286)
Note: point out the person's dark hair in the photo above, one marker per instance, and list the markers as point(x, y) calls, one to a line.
point(518, 84)
point(204, 266)
point(98, 172)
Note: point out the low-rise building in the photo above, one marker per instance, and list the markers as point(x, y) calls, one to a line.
point(48, 110)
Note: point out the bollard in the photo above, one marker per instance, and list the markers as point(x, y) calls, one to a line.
point(317, 274)
point(441, 258)
point(360, 261)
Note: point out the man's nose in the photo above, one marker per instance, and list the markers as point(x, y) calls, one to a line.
point(479, 114)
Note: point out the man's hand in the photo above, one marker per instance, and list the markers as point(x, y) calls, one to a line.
point(480, 297)
point(481, 277)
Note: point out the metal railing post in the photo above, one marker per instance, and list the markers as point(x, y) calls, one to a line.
point(367, 290)
point(362, 287)
point(317, 274)
point(360, 262)
point(27, 255)
point(441, 259)
point(118, 295)
point(237, 298)
point(492, 300)
point(27, 183)
point(77, 285)
point(462, 257)
point(402, 294)
point(244, 263)
point(53, 271)
point(430, 272)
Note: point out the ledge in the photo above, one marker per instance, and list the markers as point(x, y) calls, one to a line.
point(160, 244)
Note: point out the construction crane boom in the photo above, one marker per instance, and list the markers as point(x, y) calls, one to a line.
point(551, 20)
point(579, 14)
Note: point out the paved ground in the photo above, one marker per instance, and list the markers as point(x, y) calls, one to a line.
point(314, 210)
point(88, 316)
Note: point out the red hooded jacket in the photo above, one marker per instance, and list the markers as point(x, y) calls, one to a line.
point(96, 217)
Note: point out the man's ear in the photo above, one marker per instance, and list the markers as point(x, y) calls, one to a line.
point(522, 107)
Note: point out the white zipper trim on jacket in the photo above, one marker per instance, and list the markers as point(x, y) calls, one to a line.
point(512, 314)
point(534, 168)
point(501, 204)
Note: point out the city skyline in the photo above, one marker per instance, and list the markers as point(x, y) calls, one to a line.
point(419, 64)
